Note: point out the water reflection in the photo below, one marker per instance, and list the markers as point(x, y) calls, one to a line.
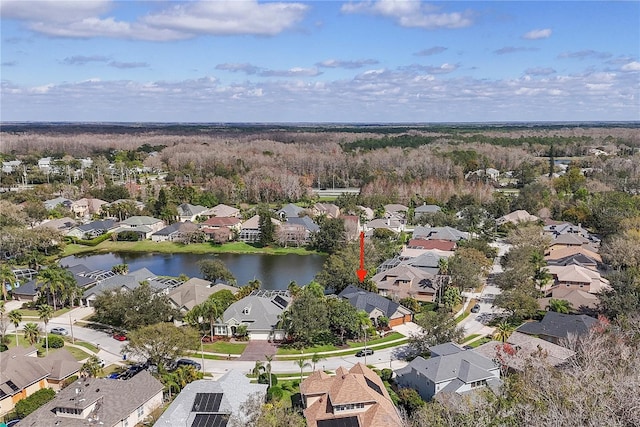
point(274, 271)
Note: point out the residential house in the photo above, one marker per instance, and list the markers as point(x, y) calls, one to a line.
point(221, 229)
point(289, 211)
point(367, 213)
point(58, 201)
point(45, 163)
point(101, 401)
point(250, 229)
point(522, 349)
point(517, 217)
point(297, 231)
point(426, 209)
point(128, 281)
point(176, 232)
point(109, 210)
point(22, 373)
point(486, 174)
point(29, 288)
point(60, 224)
point(443, 245)
point(351, 398)
point(92, 229)
point(259, 312)
point(195, 291)
point(11, 166)
point(376, 305)
point(440, 233)
point(581, 301)
point(84, 207)
point(189, 212)
point(145, 226)
point(205, 403)
point(392, 224)
point(576, 259)
point(406, 281)
point(395, 210)
point(569, 241)
point(560, 252)
point(328, 209)
point(558, 327)
point(576, 277)
point(450, 369)
point(222, 210)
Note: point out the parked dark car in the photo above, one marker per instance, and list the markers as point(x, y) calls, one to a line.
point(364, 352)
point(188, 362)
point(476, 308)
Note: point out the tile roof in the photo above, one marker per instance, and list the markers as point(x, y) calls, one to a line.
point(357, 385)
point(562, 252)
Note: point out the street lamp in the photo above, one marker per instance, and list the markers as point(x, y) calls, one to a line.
point(202, 351)
point(365, 344)
point(73, 341)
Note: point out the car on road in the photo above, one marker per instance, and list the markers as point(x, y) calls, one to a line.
point(188, 362)
point(119, 336)
point(59, 331)
point(475, 308)
point(364, 352)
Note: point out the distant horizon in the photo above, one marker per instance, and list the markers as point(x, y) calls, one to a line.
point(302, 61)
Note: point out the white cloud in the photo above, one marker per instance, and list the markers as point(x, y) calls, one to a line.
point(440, 69)
point(538, 34)
point(631, 66)
point(228, 17)
point(539, 71)
point(582, 54)
point(412, 14)
point(235, 67)
point(59, 11)
point(514, 49)
point(292, 72)
point(431, 51)
point(83, 19)
point(335, 63)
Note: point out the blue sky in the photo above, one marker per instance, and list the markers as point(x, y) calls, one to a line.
point(322, 61)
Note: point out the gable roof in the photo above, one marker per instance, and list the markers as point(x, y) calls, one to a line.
point(105, 224)
point(195, 291)
point(222, 210)
point(517, 216)
point(562, 252)
point(395, 207)
point(443, 245)
point(130, 281)
point(235, 389)
point(559, 325)
point(118, 399)
point(304, 221)
point(369, 301)
point(424, 208)
point(222, 221)
point(18, 370)
point(290, 211)
point(189, 210)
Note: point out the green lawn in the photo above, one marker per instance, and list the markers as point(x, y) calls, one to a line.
point(225, 347)
point(470, 337)
point(170, 247)
point(11, 338)
point(87, 345)
point(392, 336)
point(76, 352)
point(34, 313)
point(480, 342)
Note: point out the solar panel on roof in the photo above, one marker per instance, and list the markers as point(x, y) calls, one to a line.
point(373, 385)
point(279, 301)
point(207, 402)
point(210, 420)
point(340, 422)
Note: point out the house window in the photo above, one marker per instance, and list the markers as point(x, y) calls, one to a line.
point(140, 412)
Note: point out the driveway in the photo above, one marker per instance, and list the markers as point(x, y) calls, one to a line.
point(256, 350)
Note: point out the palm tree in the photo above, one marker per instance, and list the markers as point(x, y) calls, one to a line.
point(52, 282)
point(560, 306)
point(443, 266)
point(210, 310)
point(315, 358)
point(302, 363)
point(35, 259)
point(32, 333)
point(258, 368)
point(503, 331)
point(92, 367)
point(7, 278)
point(15, 317)
point(268, 366)
point(46, 313)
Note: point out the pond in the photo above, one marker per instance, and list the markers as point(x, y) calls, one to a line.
point(274, 271)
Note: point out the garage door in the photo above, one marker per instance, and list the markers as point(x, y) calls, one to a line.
point(263, 336)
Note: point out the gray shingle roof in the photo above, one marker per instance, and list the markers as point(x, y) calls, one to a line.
point(234, 386)
point(369, 301)
point(559, 325)
point(305, 221)
point(262, 313)
point(130, 281)
point(118, 400)
point(441, 233)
